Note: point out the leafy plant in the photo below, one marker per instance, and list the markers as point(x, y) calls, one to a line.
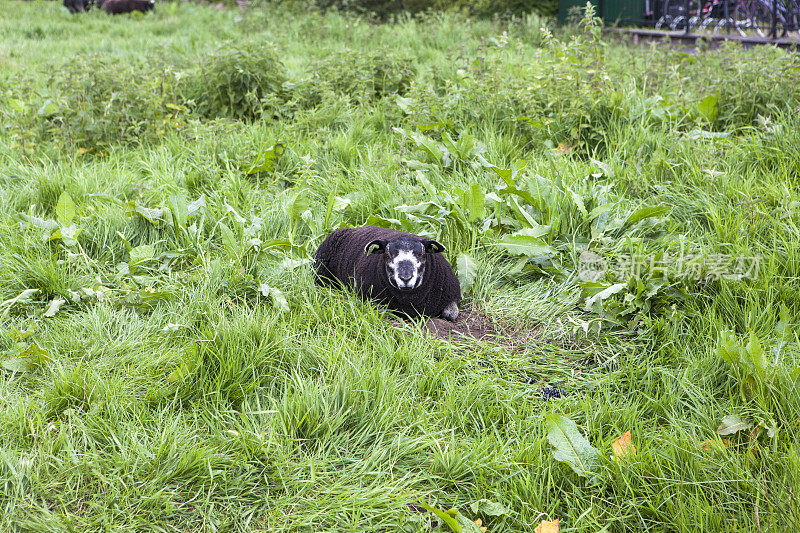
point(23, 298)
point(635, 304)
point(454, 520)
point(449, 154)
point(364, 75)
point(483, 8)
point(61, 229)
point(748, 361)
point(185, 225)
point(25, 357)
point(241, 81)
point(571, 447)
point(762, 385)
point(97, 103)
point(529, 216)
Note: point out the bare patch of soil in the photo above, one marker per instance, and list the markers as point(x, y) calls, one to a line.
point(473, 325)
point(469, 324)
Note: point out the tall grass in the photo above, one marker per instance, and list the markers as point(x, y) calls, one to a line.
point(168, 363)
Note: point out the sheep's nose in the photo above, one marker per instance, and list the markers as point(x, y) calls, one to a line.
point(406, 276)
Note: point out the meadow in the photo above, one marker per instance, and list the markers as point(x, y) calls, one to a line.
point(625, 218)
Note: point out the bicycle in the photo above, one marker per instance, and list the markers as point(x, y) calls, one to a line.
point(791, 23)
point(711, 15)
point(744, 16)
point(759, 14)
point(755, 15)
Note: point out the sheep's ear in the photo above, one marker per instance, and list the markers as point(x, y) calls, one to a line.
point(433, 247)
point(378, 246)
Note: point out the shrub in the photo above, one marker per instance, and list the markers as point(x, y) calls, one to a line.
point(97, 102)
point(240, 81)
point(364, 76)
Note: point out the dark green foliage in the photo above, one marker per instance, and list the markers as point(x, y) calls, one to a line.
point(241, 81)
point(98, 102)
point(482, 8)
point(364, 76)
point(486, 8)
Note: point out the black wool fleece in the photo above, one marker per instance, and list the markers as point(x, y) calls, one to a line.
point(340, 259)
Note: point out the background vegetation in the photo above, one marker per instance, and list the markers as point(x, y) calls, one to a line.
point(481, 8)
point(168, 364)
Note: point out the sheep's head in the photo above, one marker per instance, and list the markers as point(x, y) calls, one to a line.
point(405, 259)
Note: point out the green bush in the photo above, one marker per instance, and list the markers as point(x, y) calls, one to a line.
point(240, 81)
point(97, 102)
point(364, 76)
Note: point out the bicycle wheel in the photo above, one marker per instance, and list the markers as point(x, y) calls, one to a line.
point(722, 25)
point(792, 23)
point(664, 22)
point(676, 10)
point(709, 22)
point(752, 17)
point(723, 16)
point(708, 16)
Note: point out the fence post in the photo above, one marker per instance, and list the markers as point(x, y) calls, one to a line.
point(727, 8)
point(774, 19)
point(686, 5)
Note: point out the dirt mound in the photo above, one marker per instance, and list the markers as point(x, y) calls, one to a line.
point(470, 324)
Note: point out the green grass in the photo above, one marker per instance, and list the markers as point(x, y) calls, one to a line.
point(169, 393)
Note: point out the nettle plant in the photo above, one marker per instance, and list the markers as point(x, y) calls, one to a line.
point(364, 76)
point(242, 81)
point(569, 94)
point(97, 103)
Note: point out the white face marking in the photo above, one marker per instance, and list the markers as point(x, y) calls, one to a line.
point(405, 255)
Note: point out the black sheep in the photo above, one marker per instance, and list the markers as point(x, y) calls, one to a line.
point(78, 6)
point(115, 7)
point(403, 271)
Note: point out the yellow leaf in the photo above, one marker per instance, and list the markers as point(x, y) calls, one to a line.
point(82, 150)
point(547, 527)
point(563, 147)
point(623, 446)
point(714, 444)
